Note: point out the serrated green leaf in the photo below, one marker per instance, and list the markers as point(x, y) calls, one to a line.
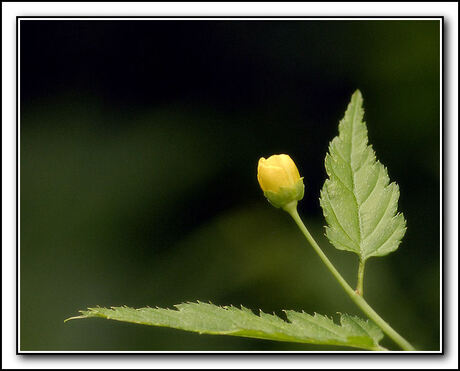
point(211, 319)
point(358, 200)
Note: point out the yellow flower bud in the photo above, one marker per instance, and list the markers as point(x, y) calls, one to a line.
point(280, 180)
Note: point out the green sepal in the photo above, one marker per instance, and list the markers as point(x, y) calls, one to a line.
point(286, 195)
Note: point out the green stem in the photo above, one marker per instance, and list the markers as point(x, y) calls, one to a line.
point(359, 286)
point(359, 300)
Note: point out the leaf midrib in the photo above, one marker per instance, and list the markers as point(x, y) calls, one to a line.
point(353, 173)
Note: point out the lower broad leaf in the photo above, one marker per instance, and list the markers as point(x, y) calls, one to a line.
point(207, 318)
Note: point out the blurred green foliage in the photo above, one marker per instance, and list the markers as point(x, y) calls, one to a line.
point(157, 203)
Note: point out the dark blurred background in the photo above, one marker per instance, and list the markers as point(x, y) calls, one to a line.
point(139, 143)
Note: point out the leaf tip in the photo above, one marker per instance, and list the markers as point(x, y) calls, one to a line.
point(75, 317)
point(357, 94)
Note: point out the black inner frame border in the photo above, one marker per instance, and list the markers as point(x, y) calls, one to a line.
point(363, 354)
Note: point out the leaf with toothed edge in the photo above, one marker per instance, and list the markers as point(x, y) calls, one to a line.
point(358, 200)
point(207, 318)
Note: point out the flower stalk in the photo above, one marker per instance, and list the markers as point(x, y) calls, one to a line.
point(291, 209)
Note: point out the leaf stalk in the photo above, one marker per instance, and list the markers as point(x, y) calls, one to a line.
point(360, 285)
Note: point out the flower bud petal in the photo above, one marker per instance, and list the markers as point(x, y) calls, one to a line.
point(271, 178)
point(280, 180)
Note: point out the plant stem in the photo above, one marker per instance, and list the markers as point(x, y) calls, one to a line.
point(359, 300)
point(359, 286)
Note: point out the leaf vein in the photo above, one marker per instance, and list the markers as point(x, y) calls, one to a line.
point(387, 239)
point(341, 181)
point(338, 221)
point(390, 198)
point(373, 188)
